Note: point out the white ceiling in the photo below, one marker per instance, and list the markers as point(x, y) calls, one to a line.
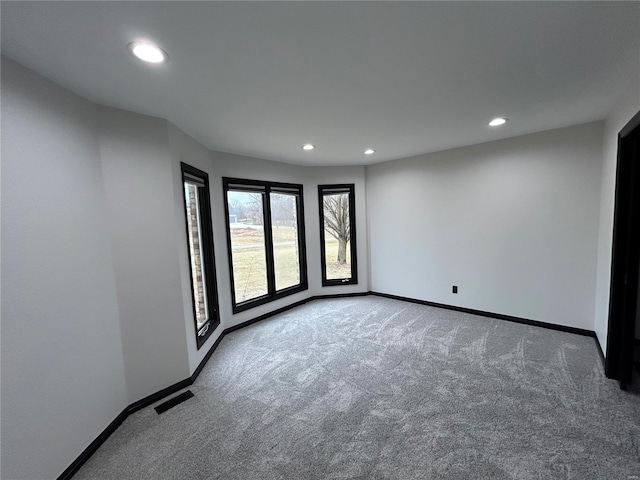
point(261, 79)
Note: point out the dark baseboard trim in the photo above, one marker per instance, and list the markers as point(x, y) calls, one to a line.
point(93, 446)
point(288, 307)
point(341, 295)
point(153, 398)
point(206, 358)
point(165, 392)
point(266, 315)
point(499, 316)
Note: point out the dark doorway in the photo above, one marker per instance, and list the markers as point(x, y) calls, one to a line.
point(625, 261)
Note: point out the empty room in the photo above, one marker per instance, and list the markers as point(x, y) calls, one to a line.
point(320, 240)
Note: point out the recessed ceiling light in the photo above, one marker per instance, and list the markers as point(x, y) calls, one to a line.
point(148, 52)
point(308, 146)
point(496, 122)
point(369, 151)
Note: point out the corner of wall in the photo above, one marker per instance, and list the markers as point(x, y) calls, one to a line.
point(136, 164)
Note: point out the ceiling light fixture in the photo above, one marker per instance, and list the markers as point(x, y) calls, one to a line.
point(369, 151)
point(308, 146)
point(496, 122)
point(147, 52)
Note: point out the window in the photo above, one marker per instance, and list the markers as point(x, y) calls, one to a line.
point(201, 259)
point(337, 234)
point(265, 232)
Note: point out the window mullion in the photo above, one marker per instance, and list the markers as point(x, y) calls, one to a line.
point(302, 241)
point(268, 238)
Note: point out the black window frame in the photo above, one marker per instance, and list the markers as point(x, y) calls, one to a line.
point(210, 279)
point(268, 187)
point(323, 190)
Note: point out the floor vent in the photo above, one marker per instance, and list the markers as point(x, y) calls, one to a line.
point(163, 407)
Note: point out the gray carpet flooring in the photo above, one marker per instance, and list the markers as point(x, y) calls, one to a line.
point(373, 388)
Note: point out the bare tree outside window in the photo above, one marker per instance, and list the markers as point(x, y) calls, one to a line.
point(336, 222)
point(337, 242)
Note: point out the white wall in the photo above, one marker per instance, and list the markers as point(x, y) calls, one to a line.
point(62, 370)
point(513, 223)
point(138, 179)
point(618, 118)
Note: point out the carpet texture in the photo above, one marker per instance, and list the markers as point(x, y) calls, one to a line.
point(374, 388)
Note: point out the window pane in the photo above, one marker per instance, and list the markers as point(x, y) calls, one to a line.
point(266, 236)
point(284, 229)
point(337, 236)
point(194, 230)
point(248, 251)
